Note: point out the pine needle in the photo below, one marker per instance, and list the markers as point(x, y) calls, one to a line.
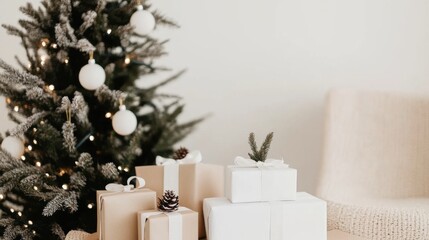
point(262, 153)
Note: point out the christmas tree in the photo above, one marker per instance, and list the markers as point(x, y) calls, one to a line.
point(74, 134)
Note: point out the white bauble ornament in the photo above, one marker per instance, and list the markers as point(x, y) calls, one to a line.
point(143, 21)
point(92, 75)
point(124, 122)
point(14, 146)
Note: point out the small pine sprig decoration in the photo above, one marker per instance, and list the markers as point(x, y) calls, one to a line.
point(261, 154)
point(180, 153)
point(169, 202)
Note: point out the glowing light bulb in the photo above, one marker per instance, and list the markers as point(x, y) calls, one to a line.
point(47, 174)
point(108, 115)
point(90, 206)
point(38, 164)
point(16, 108)
point(30, 148)
point(44, 44)
point(127, 60)
point(23, 158)
point(54, 46)
point(35, 141)
point(8, 100)
point(12, 210)
point(34, 129)
point(66, 61)
point(91, 138)
point(30, 222)
point(119, 168)
point(126, 169)
point(51, 87)
point(36, 188)
point(20, 214)
point(109, 31)
point(65, 186)
point(25, 225)
point(1, 197)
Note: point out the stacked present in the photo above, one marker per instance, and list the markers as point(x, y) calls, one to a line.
point(261, 203)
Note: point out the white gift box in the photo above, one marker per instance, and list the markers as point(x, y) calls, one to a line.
point(260, 183)
point(303, 219)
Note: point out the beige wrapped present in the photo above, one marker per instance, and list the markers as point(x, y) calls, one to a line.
point(117, 210)
point(178, 225)
point(193, 182)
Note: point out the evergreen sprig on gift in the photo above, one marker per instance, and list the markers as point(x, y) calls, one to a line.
point(180, 153)
point(261, 154)
point(169, 202)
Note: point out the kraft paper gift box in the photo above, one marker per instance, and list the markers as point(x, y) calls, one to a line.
point(193, 182)
point(303, 219)
point(117, 212)
point(179, 225)
point(251, 181)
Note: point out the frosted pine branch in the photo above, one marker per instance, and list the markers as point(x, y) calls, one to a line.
point(58, 231)
point(77, 181)
point(23, 127)
point(84, 45)
point(88, 20)
point(69, 138)
point(109, 171)
point(64, 201)
point(80, 109)
point(37, 94)
point(104, 94)
point(85, 163)
point(12, 76)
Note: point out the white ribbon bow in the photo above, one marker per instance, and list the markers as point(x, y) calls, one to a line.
point(192, 157)
point(114, 187)
point(244, 162)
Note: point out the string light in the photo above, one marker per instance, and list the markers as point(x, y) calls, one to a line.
point(35, 141)
point(91, 138)
point(66, 61)
point(42, 122)
point(34, 232)
point(29, 66)
point(8, 100)
point(44, 44)
point(119, 168)
point(25, 225)
point(54, 45)
point(12, 210)
point(16, 108)
point(23, 158)
point(30, 222)
point(47, 174)
point(65, 186)
point(30, 148)
point(38, 164)
point(127, 60)
point(126, 169)
point(1, 196)
point(36, 188)
point(90, 206)
point(20, 214)
point(34, 129)
point(51, 87)
point(109, 31)
point(108, 115)
point(62, 172)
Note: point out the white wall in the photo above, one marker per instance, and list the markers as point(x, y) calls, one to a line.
point(266, 65)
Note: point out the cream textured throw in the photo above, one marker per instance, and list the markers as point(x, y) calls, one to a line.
point(79, 235)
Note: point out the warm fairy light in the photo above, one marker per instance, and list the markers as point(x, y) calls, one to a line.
point(42, 122)
point(44, 44)
point(25, 225)
point(29, 66)
point(1, 197)
point(54, 45)
point(91, 138)
point(66, 61)
point(12, 210)
point(65, 186)
point(62, 172)
point(51, 87)
point(20, 214)
point(77, 163)
point(34, 129)
point(108, 115)
point(47, 174)
point(38, 164)
point(35, 188)
point(8, 100)
point(119, 168)
point(35, 141)
point(109, 31)
point(34, 232)
point(30, 147)
point(23, 158)
point(90, 206)
point(30, 222)
point(16, 108)
point(127, 60)
point(126, 169)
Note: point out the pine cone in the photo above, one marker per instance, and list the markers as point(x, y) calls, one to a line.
point(180, 153)
point(169, 202)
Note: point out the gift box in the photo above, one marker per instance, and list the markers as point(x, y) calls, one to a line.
point(250, 181)
point(117, 212)
point(303, 219)
point(193, 182)
point(178, 225)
